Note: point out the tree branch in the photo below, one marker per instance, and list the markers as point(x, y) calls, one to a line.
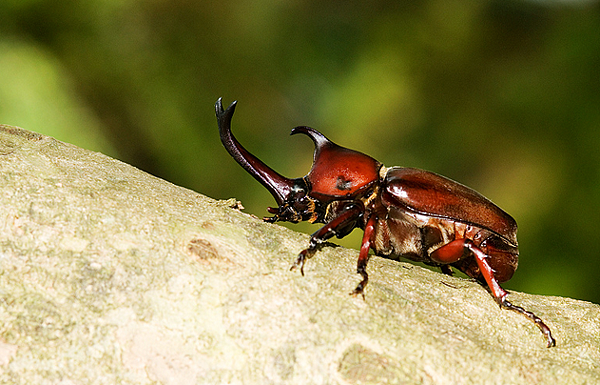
point(111, 275)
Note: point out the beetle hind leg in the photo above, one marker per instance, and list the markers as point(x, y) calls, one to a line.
point(500, 294)
point(458, 249)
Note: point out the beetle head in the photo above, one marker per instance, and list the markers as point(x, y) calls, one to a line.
point(337, 173)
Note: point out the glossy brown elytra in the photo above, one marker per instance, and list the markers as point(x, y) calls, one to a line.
point(407, 212)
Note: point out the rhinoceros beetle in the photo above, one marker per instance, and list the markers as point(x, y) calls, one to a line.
point(404, 212)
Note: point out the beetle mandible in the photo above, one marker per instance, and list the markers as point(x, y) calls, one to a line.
point(406, 212)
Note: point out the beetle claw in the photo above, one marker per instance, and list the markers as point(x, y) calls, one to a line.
point(359, 290)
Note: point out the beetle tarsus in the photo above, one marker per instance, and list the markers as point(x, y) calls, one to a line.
point(358, 291)
point(360, 288)
point(304, 254)
point(537, 320)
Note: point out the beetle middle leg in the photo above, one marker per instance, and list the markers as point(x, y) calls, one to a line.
point(460, 248)
point(363, 257)
point(346, 220)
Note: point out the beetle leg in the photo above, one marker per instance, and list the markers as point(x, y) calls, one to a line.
point(351, 214)
point(537, 320)
point(363, 257)
point(457, 249)
point(500, 294)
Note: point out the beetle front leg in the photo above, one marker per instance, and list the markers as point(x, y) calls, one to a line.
point(459, 248)
point(347, 218)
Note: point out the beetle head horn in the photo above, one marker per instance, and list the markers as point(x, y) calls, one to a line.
point(338, 171)
point(283, 189)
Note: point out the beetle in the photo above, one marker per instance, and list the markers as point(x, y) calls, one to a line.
point(404, 212)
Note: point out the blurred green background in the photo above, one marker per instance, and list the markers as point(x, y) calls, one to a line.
point(503, 96)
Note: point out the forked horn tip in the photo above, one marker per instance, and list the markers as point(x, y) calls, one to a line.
point(219, 108)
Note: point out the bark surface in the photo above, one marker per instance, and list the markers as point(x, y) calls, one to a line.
point(110, 275)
